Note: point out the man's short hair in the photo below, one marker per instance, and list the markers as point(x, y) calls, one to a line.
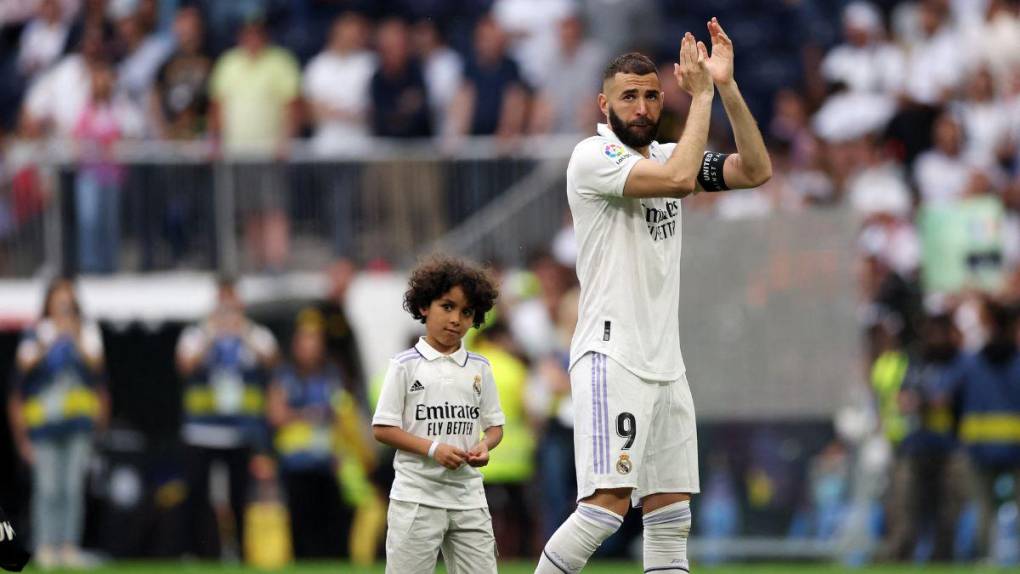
point(629, 63)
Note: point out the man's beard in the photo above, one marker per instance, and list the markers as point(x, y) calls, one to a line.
point(634, 135)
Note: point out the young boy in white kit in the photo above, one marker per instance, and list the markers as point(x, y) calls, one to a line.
point(440, 410)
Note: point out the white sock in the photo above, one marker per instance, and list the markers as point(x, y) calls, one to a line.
point(665, 544)
point(580, 535)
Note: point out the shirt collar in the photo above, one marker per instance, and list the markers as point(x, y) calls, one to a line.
point(606, 131)
point(430, 354)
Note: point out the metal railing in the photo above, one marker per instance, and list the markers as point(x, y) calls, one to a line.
point(156, 206)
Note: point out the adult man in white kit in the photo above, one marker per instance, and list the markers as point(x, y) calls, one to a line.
point(634, 435)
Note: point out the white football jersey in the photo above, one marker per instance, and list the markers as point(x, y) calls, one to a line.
point(628, 261)
point(449, 398)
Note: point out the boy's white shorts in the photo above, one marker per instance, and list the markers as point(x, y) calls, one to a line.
point(415, 533)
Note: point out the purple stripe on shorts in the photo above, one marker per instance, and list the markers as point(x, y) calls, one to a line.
point(605, 415)
point(594, 415)
point(597, 415)
point(603, 434)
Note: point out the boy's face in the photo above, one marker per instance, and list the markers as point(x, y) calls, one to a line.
point(447, 319)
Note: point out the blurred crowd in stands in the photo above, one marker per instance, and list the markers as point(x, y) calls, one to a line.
point(920, 133)
point(257, 74)
point(905, 112)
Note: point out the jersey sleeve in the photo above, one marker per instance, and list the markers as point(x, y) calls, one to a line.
point(39, 99)
point(390, 409)
point(600, 166)
point(191, 342)
point(92, 339)
point(29, 348)
point(263, 341)
point(492, 413)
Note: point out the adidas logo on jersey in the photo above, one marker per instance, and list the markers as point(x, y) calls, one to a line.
point(417, 386)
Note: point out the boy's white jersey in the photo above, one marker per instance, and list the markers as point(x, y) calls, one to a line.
point(628, 261)
point(448, 398)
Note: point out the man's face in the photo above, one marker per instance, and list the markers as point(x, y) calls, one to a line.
point(948, 138)
point(392, 42)
point(253, 37)
point(228, 300)
point(348, 33)
point(188, 28)
point(633, 105)
point(489, 40)
point(571, 33)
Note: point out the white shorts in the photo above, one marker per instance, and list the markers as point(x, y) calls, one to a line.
point(415, 533)
point(630, 432)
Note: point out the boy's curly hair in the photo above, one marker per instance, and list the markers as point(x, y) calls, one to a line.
point(438, 274)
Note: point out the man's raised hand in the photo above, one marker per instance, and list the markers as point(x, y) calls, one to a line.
point(720, 64)
point(691, 72)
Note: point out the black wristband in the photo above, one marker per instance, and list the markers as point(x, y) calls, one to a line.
point(710, 176)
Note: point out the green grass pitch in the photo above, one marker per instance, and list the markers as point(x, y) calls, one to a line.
point(528, 568)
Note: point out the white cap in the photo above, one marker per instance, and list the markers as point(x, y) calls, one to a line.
point(862, 15)
point(118, 9)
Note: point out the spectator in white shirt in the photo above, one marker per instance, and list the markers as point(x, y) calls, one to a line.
point(533, 321)
point(336, 85)
point(443, 68)
point(336, 88)
point(865, 62)
point(993, 39)
point(981, 116)
point(531, 27)
point(54, 102)
point(881, 187)
point(619, 26)
point(143, 53)
point(567, 102)
point(935, 61)
point(43, 40)
point(941, 174)
point(1011, 100)
point(14, 12)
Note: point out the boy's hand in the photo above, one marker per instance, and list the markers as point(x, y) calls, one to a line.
point(450, 456)
point(478, 455)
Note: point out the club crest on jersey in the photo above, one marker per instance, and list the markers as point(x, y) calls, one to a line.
point(623, 464)
point(616, 152)
point(478, 385)
point(416, 387)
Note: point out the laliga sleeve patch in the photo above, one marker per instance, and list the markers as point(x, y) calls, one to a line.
point(615, 152)
point(710, 176)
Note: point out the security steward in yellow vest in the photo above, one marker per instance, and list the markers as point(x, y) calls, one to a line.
point(225, 362)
